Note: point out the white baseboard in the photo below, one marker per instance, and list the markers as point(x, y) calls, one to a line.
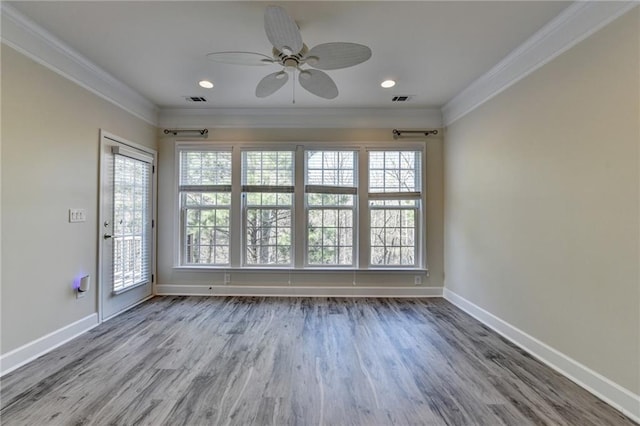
point(295, 291)
point(615, 395)
point(32, 350)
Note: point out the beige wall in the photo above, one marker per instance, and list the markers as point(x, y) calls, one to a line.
point(167, 275)
point(542, 204)
point(50, 138)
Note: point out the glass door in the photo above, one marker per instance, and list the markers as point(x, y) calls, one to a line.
point(126, 226)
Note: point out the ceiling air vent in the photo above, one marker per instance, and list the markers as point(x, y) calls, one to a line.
point(196, 99)
point(402, 98)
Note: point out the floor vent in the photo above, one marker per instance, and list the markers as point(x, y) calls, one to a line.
point(403, 98)
point(196, 99)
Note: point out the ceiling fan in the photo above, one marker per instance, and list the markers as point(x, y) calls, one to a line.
point(292, 54)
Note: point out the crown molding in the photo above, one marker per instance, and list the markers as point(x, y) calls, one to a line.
point(27, 37)
point(571, 26)
point(372, 118)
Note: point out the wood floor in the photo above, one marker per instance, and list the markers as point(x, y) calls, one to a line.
point(284, 361)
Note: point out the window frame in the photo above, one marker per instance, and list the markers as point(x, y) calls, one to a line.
point(181, 253)
point(419, 196)
point(355, 208)
point(269, 189)
point(184, 245)
point(361, 230)
point(416, 236)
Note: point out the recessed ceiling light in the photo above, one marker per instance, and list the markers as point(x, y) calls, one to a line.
point(206, 84)
point(388, 84)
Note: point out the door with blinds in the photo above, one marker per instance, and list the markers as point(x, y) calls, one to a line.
point(126, 225)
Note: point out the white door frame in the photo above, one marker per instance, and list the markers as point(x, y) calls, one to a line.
point(106, 137)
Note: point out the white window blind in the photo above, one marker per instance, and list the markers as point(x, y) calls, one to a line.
point(132, 219)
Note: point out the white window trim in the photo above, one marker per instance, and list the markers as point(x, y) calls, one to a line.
point(361, 231)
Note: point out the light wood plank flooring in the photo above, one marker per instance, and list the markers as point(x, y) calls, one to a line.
point(284, 361)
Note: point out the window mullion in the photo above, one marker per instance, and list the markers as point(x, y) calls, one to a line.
point(362, 244)
point(300, 216)
point(236, 239)
point(423, 260)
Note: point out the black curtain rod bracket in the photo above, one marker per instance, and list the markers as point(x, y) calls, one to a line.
point(176, 132)
point(400, 133)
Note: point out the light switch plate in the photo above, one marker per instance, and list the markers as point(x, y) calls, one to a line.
point(77, 215)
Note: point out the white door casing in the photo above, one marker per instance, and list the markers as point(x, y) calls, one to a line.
point(126, 229)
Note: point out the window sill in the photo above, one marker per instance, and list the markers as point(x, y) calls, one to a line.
point(296, 270)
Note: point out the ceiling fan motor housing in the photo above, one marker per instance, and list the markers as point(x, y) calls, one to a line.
point(286, 60)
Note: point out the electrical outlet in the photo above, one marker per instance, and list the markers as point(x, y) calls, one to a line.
point(417, 280)
point(77, 215)
point(227, 277)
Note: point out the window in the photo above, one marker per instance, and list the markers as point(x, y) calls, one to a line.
point(131, 220)
point(205, 195)
point(394, 204)
point(330, 198)
point(298, 206)
point(268, 205)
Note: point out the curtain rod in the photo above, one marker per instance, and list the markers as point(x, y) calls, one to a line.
point(175, 132)
point(398, 133)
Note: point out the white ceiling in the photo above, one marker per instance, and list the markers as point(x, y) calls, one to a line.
point(433, 49)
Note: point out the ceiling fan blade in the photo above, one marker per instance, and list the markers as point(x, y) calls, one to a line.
point(241, 58)
point(332, 56)
point(319, 83)
point(282, 31)
point(271, 83)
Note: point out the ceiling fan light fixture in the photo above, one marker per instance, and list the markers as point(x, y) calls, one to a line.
point(290, 64)
point(387, 84)
point(206, 84)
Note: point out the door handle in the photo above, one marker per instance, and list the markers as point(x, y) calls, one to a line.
point(107, 236)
